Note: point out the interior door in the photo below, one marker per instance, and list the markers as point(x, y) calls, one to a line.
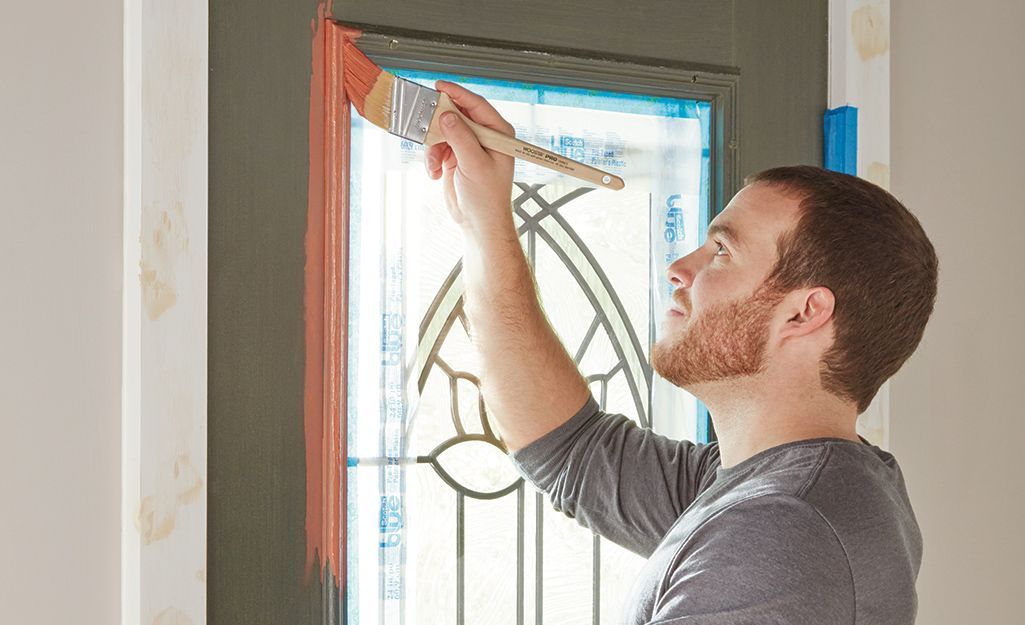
point(261, 57)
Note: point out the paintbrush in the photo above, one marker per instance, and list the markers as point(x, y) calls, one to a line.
point(412, 111)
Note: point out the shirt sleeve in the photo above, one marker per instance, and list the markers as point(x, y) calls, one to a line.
point(624, 482)
point(767, 560)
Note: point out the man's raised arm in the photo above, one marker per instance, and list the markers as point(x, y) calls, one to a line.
point(531, 384)
point(622, 481)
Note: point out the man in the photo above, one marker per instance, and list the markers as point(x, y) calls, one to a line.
point(811, 290)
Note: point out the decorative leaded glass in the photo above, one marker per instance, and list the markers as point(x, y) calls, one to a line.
point(441, 527)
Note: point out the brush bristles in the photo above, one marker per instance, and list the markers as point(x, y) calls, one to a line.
point(377, 107)
point(367, 86)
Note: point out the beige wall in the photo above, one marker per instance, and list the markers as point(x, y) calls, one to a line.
point(60, 312)
point(958, 422)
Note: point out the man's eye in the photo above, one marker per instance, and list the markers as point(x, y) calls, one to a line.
point(719, 249)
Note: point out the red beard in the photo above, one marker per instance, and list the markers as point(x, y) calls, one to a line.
point(726, 341)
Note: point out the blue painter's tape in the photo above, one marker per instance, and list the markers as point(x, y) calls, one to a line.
point(704, 433)
point(840, 138)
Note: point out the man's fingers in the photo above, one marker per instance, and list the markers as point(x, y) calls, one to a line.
point(435, 153)
point(449, 162)
point(475, 107)
point(434, 156)
point(461, 147)
point(464, 144)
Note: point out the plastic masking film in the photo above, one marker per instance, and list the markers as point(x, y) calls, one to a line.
point(419, 551)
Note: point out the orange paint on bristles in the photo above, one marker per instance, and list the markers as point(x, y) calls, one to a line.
point(360, 74)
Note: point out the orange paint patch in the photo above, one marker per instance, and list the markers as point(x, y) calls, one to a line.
point(325, 299)
point(313, 302)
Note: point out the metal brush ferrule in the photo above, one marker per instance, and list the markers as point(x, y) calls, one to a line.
point(412, 108)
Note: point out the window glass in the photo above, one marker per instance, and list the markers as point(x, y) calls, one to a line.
point(441, 529)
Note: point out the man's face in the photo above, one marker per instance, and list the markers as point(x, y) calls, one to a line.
point(720, 322)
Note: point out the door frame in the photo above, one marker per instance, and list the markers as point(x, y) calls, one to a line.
point(326, 267)
point(417, 50)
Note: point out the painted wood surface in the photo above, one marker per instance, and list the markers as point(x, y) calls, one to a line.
point(692, 31)
point(261, 55)
point(326, 303)
point(259, 77)
point(859, 76)
point(781, 50)
point(859, 60)
point(164, 420)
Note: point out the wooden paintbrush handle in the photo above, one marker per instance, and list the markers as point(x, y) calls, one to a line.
point(512, 146)
point(494, 140)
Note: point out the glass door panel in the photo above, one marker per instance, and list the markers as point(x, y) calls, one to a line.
point(441, 529)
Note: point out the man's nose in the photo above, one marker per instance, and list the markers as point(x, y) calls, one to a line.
point(681, 271)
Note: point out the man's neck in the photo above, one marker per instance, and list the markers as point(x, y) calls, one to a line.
point(755, 416)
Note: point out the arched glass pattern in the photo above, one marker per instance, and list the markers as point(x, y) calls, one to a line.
point(441, 527)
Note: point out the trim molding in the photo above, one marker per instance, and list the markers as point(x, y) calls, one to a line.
point(164, 336)
point(859, 76)
point(326, 315)
point(588, 70)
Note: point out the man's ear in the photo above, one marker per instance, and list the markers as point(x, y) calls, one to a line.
point(807, 310)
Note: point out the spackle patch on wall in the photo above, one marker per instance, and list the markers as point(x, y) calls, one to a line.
point(870, 28)
point(180, 484)
point(157, 296)
point(878, 173)
point(172, 616)
point(167, 239)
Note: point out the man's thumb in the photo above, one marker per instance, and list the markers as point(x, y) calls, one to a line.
point(464, 143)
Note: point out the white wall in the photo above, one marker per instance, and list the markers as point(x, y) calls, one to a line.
point(958, 421)
point(60, 312)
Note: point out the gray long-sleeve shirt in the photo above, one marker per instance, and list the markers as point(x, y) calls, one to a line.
point(815, 532)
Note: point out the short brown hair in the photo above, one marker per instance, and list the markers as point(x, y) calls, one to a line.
point(860, 242)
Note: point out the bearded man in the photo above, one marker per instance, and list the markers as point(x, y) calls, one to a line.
point(811, 290)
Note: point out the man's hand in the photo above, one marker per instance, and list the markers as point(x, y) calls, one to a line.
point(478, 181)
